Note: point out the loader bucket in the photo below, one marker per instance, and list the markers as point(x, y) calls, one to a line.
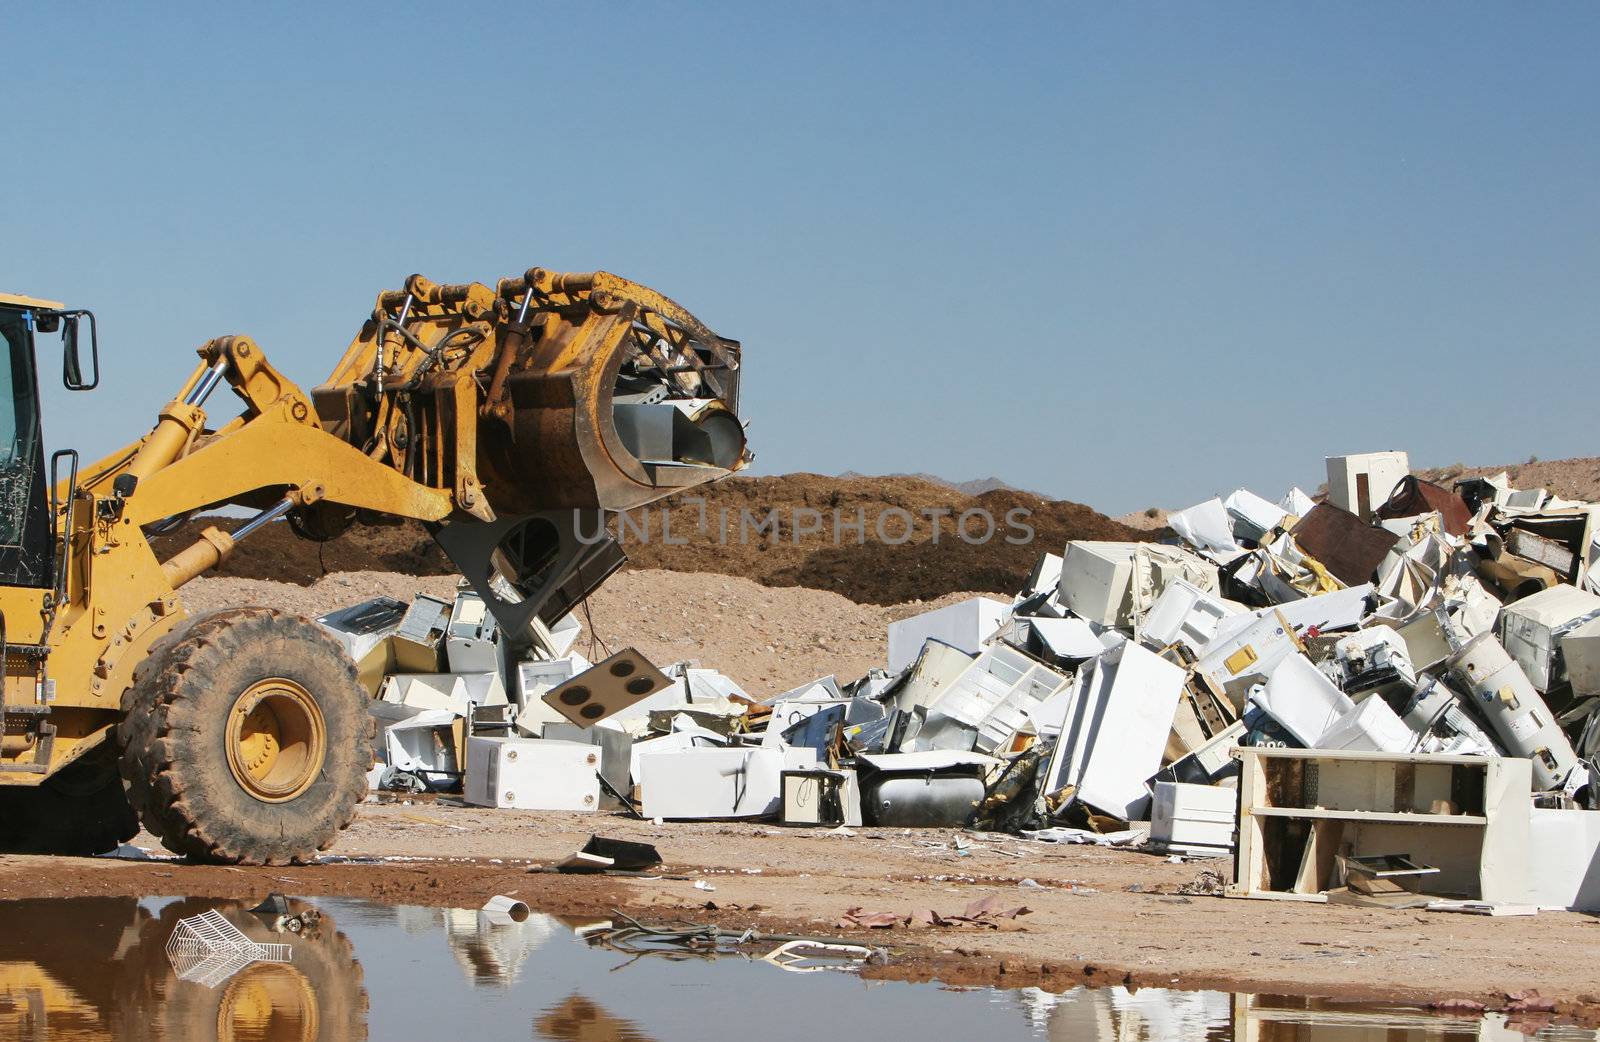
point(551, 392)
point(620, 399)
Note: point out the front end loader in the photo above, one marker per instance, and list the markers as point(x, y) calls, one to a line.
point(508, 420)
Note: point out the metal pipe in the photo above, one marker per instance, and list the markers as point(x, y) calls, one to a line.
point(267, 516)
point(202, 389)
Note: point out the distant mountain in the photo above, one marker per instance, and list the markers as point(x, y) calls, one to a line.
point(975, 487)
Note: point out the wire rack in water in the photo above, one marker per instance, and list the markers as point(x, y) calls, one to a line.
point(207, 949)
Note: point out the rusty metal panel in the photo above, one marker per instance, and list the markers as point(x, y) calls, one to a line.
point(1347, 546)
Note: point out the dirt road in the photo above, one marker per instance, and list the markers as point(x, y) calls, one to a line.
point(1107, 916)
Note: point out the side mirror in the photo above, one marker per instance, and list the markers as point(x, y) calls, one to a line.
point(71, 354)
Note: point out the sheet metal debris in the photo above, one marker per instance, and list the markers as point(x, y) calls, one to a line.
point(681, 941)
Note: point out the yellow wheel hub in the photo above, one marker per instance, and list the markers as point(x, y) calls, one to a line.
point(276, 740)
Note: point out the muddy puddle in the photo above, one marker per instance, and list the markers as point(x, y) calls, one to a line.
point(95, 968)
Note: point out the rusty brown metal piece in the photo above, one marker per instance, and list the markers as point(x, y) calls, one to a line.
point(1347, 546)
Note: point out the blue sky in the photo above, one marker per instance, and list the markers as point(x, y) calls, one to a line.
point(1124, 254)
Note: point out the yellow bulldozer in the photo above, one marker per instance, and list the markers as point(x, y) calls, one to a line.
point(509, 421)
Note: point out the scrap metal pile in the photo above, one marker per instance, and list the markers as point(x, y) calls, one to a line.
point(1396, 622)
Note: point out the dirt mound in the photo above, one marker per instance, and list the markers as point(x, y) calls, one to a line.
point(1577, 478)
point(874, 540)
point(276, 553)
point(974, 487)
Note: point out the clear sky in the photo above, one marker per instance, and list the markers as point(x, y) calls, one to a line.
point(1127, 254)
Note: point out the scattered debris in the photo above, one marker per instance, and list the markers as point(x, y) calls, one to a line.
point(616, 856)
point(991, 912)
point(280, 916)
point(1528, 1001)
point(803, 956)
point(854, 918)
point(1480, 908)
point(681, 941)
point(1208, 883)
point(1458, 1006)
point(503, 910)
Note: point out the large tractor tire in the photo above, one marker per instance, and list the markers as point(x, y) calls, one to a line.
point(81, 810)
point(246, 739)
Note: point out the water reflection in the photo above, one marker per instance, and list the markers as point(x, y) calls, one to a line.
point(1160, 1015)
point(1107, 1014)
point(1279, 1019)
point(96, 968)
point(490, 953)
point(579, 1020)
point(494, 953)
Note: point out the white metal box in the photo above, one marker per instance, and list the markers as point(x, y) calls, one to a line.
point(1564, 859)
point(993, 697)
point(1245, 650)
point(1095, 578)
point(616, 752)
point(366, 631)
point(428, 743)
point(1580, 650)
point(1183, 614)
point(1372, 726)
point(1362, 483)
point(1532, 628)
point(1193, 819)
point(1302, 700)
point(965, 625)
point(417, 638)
point(711, 783)
point(1205, 526)
point(1116, 730)
point(1253, 516)
point(821, 797)
point(1115, 584)
point(470, 644)
point(528, 774)
point(423, 691)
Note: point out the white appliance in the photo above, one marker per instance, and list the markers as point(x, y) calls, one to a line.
point(1193, 819)
point(530, 774)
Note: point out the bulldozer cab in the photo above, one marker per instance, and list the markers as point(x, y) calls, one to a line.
point(26, 533)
